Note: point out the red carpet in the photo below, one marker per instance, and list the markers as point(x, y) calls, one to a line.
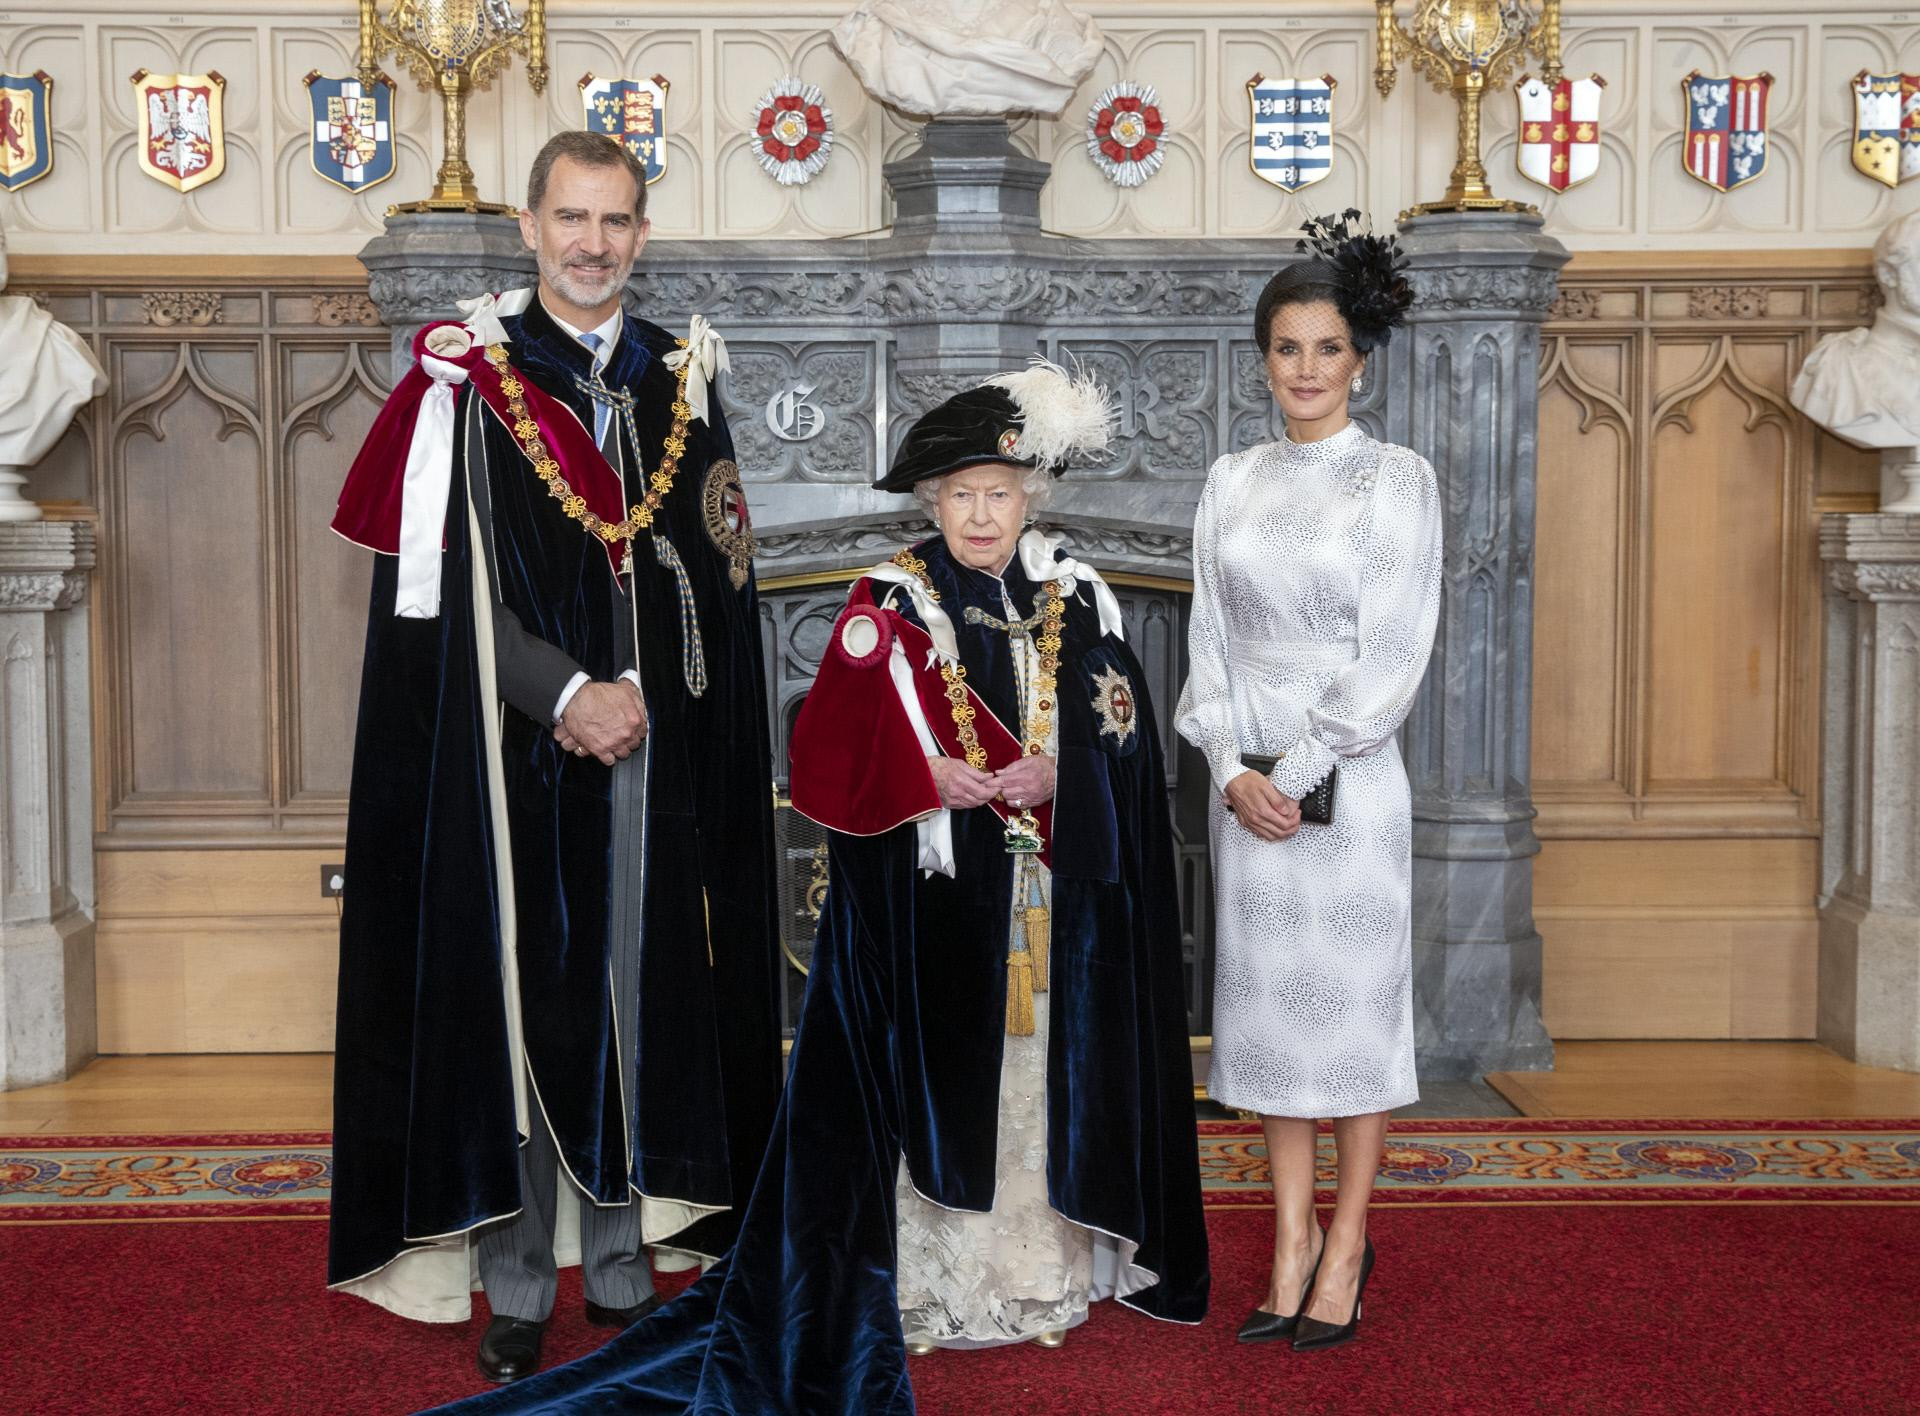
point(1593, 1307)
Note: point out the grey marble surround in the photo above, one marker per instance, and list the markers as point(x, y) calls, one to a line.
point(47, 1027)
point(837, 345)
point(1869, 1007)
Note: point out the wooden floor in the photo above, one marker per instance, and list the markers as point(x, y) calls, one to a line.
point(282, 1092)
point(1750, 1080)
point(126, 1096)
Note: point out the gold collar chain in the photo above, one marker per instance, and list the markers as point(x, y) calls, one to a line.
point(526, 432)
point(1052, 614)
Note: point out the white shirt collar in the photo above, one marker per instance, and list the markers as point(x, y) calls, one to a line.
point(608, 330)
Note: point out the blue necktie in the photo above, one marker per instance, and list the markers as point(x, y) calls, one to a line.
point(601, 412)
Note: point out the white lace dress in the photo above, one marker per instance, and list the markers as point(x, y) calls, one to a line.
point(1317, 574)
point(968, 1279)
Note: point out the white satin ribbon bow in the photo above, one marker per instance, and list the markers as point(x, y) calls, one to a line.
point(484, 313)
point(1037, 557)
point(705, 358)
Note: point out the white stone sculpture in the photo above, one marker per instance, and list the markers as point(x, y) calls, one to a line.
point(1864, 384)
point(49, 374)
point(969, 58)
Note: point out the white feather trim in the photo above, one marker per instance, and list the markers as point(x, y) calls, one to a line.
point(1060, 413)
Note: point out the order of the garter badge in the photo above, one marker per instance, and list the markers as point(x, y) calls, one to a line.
point(1124, 133)
point(723, 503)
point(1113, 701)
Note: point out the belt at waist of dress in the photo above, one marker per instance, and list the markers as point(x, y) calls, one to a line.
point(1295, 658)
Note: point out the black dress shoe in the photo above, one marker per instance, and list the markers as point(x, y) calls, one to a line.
point(621, 1317)
point(1262, 1326)
point(1316, 1336)
point(510, 1349)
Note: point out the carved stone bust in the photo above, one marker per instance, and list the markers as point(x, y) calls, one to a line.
point(1864, 384)
point(971, 58)
point(49, 374)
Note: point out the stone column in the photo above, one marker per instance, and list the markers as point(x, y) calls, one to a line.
point(426, 262)
point(1869, 1003)
point(964, 275)
point(47, 1026)
point(1462, 391)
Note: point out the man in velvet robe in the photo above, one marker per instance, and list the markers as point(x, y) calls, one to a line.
point(898, 1052)
point(558, 973)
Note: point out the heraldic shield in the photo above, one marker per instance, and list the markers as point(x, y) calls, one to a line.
point(1559, 131)
point(1726, 140)
point(1886, 126)
point(26, 137)
point(352, 143)
point(183, 135)
point(1291, 139)
point(634, 111)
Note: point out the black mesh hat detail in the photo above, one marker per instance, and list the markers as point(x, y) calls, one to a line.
point(1367, 273)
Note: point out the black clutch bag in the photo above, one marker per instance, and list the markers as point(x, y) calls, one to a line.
point(1317, 805)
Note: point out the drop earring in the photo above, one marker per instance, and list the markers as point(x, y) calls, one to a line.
point(1358, 384)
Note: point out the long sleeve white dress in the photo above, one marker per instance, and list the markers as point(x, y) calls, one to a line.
point(1317, 571)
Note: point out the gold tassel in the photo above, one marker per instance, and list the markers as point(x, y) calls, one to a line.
point(1037, 942)
point(1020, 994)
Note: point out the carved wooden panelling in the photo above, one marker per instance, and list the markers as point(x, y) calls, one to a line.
point(186, 533)
point(1676, 634)
point(229, 624)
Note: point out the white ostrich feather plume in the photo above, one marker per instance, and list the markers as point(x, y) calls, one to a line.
point(1060, 413)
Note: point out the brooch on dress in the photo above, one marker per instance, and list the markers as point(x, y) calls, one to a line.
point(1113, 701)
point(1360, 481)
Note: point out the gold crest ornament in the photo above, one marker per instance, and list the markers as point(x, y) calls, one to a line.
point(1466, 47)
point(1113, 700)
point(183, 132)
point(723, 504)
point(1008, 441)
point(455, 46)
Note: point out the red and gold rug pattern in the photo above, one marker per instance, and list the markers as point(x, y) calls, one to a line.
point(1520, 1161)
point(1506, 1161)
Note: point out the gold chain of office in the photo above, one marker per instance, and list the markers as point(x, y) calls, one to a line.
point(526, 432)
point(1052, 615)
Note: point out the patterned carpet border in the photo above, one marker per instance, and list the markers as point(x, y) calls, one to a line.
point(54, 1179)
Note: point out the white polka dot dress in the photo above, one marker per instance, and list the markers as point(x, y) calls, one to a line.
point(1316, 591)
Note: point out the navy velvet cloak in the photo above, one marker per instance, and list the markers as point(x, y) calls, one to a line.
point(898, 1050)
point(425, 1136)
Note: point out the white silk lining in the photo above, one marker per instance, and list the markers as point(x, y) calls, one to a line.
point(423, 494)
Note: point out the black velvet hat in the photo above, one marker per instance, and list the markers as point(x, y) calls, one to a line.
point(1040, 416)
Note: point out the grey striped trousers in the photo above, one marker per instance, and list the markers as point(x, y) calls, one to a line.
point(516, 1254)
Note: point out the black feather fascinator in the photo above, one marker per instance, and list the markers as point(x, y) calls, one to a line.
point(1368, 275)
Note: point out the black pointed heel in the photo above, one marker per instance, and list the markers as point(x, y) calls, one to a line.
point(1262, 1326)
point(1312, 1335)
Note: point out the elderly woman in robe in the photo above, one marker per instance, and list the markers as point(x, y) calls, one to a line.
point(991, 1077)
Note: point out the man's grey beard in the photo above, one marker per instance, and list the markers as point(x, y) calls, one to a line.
point(573, 287)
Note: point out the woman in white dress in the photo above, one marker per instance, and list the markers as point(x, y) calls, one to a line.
point(1317, 567)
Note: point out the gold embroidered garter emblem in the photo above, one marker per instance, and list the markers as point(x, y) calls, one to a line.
point(1113, 701)
point(729, 526)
